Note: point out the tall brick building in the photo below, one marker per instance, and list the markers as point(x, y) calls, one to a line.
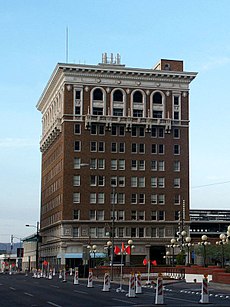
point(115, 140)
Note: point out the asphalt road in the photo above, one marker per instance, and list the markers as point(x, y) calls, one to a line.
point(19, 290)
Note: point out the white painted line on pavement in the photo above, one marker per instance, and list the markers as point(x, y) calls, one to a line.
point(29, 294)
point(54, 286)
point(11, 288)
point(53, 304)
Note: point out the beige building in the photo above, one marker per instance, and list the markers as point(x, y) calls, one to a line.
point(115, 142)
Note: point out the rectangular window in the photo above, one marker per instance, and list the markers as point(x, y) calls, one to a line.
point(141, 182)
point(113, 181)
point(153, 232)
point(77, 128)
point(93, 129)
point(133, 232)
point(122, 147)
point(133, 215)
point(97, 111)
point(154, 149)
point(141, 148)
point(121, 130)
point(76, 180)
point(153, 199)
point(176, 182)
point(117, 112)
point(75, 232)
point(134, 148)
point(176, 100)
point(176, 133)
point(93, 180)
point(153, 132)
point(76, 197)
point(141, 165)
point(176, 166)
point(121, 198)
point(121, 181)
point(121, 215)
point(161, 199)
point(76, 214)
point(134, 131)
point(133, 182)
point(100, 232)
point(161, 215)
point(113, 147)
point(141, 215)
point(93, 146)
point(101, 146)
point(177, 199)
point(101, 163)
point(176, 115)
point(134, 165)
point(141, 198)
point(121, 164)
point(141, 131)
point(154, 165)
point(101, 129)
point(134, 198)
point(93, 198)
point(101, 181)
point(114, 130)
point(153, 182)
point(92, 232)
point(161, 149)
point(92, 215)
point(161, 182)
point(161, 133)
point(141, 232)
point(137, 113)
point(101, 198)
point(93, 163)
point(77, 163)
point(77, 146)
point(161, 232)
point(176, 149)
point(120, 232)
point(161, 166)
point(153, 215)
point(100, 215)
point(113, 164)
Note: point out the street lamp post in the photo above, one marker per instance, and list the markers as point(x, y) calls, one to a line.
point(37, 239)
point(131, 246)
point(188, 244)
point(173, 245)
point(222, 242)
point(92, 249)
point(204, 243)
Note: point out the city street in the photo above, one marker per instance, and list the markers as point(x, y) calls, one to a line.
point(21, 290)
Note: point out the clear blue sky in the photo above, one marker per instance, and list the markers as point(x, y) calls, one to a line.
point(33, 40)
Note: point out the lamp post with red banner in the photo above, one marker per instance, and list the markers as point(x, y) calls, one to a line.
point(124, 250)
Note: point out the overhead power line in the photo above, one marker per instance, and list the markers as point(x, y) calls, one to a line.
point(210, 184)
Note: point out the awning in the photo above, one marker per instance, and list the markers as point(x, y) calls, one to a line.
point(69, 255)
point(80, 255)
point(98, 255)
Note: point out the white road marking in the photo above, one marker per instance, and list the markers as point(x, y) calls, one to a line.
point(123, 301)
point(53, 304)
point(29, 294)
point(54, 286)
point(11, 288)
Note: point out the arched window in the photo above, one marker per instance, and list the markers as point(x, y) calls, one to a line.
point(138, 97)
point(157, 106)
point(97, 94)
point(118, 95)
point(157, 98)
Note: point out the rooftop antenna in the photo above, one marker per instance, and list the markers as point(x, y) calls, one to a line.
point(67, 45)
